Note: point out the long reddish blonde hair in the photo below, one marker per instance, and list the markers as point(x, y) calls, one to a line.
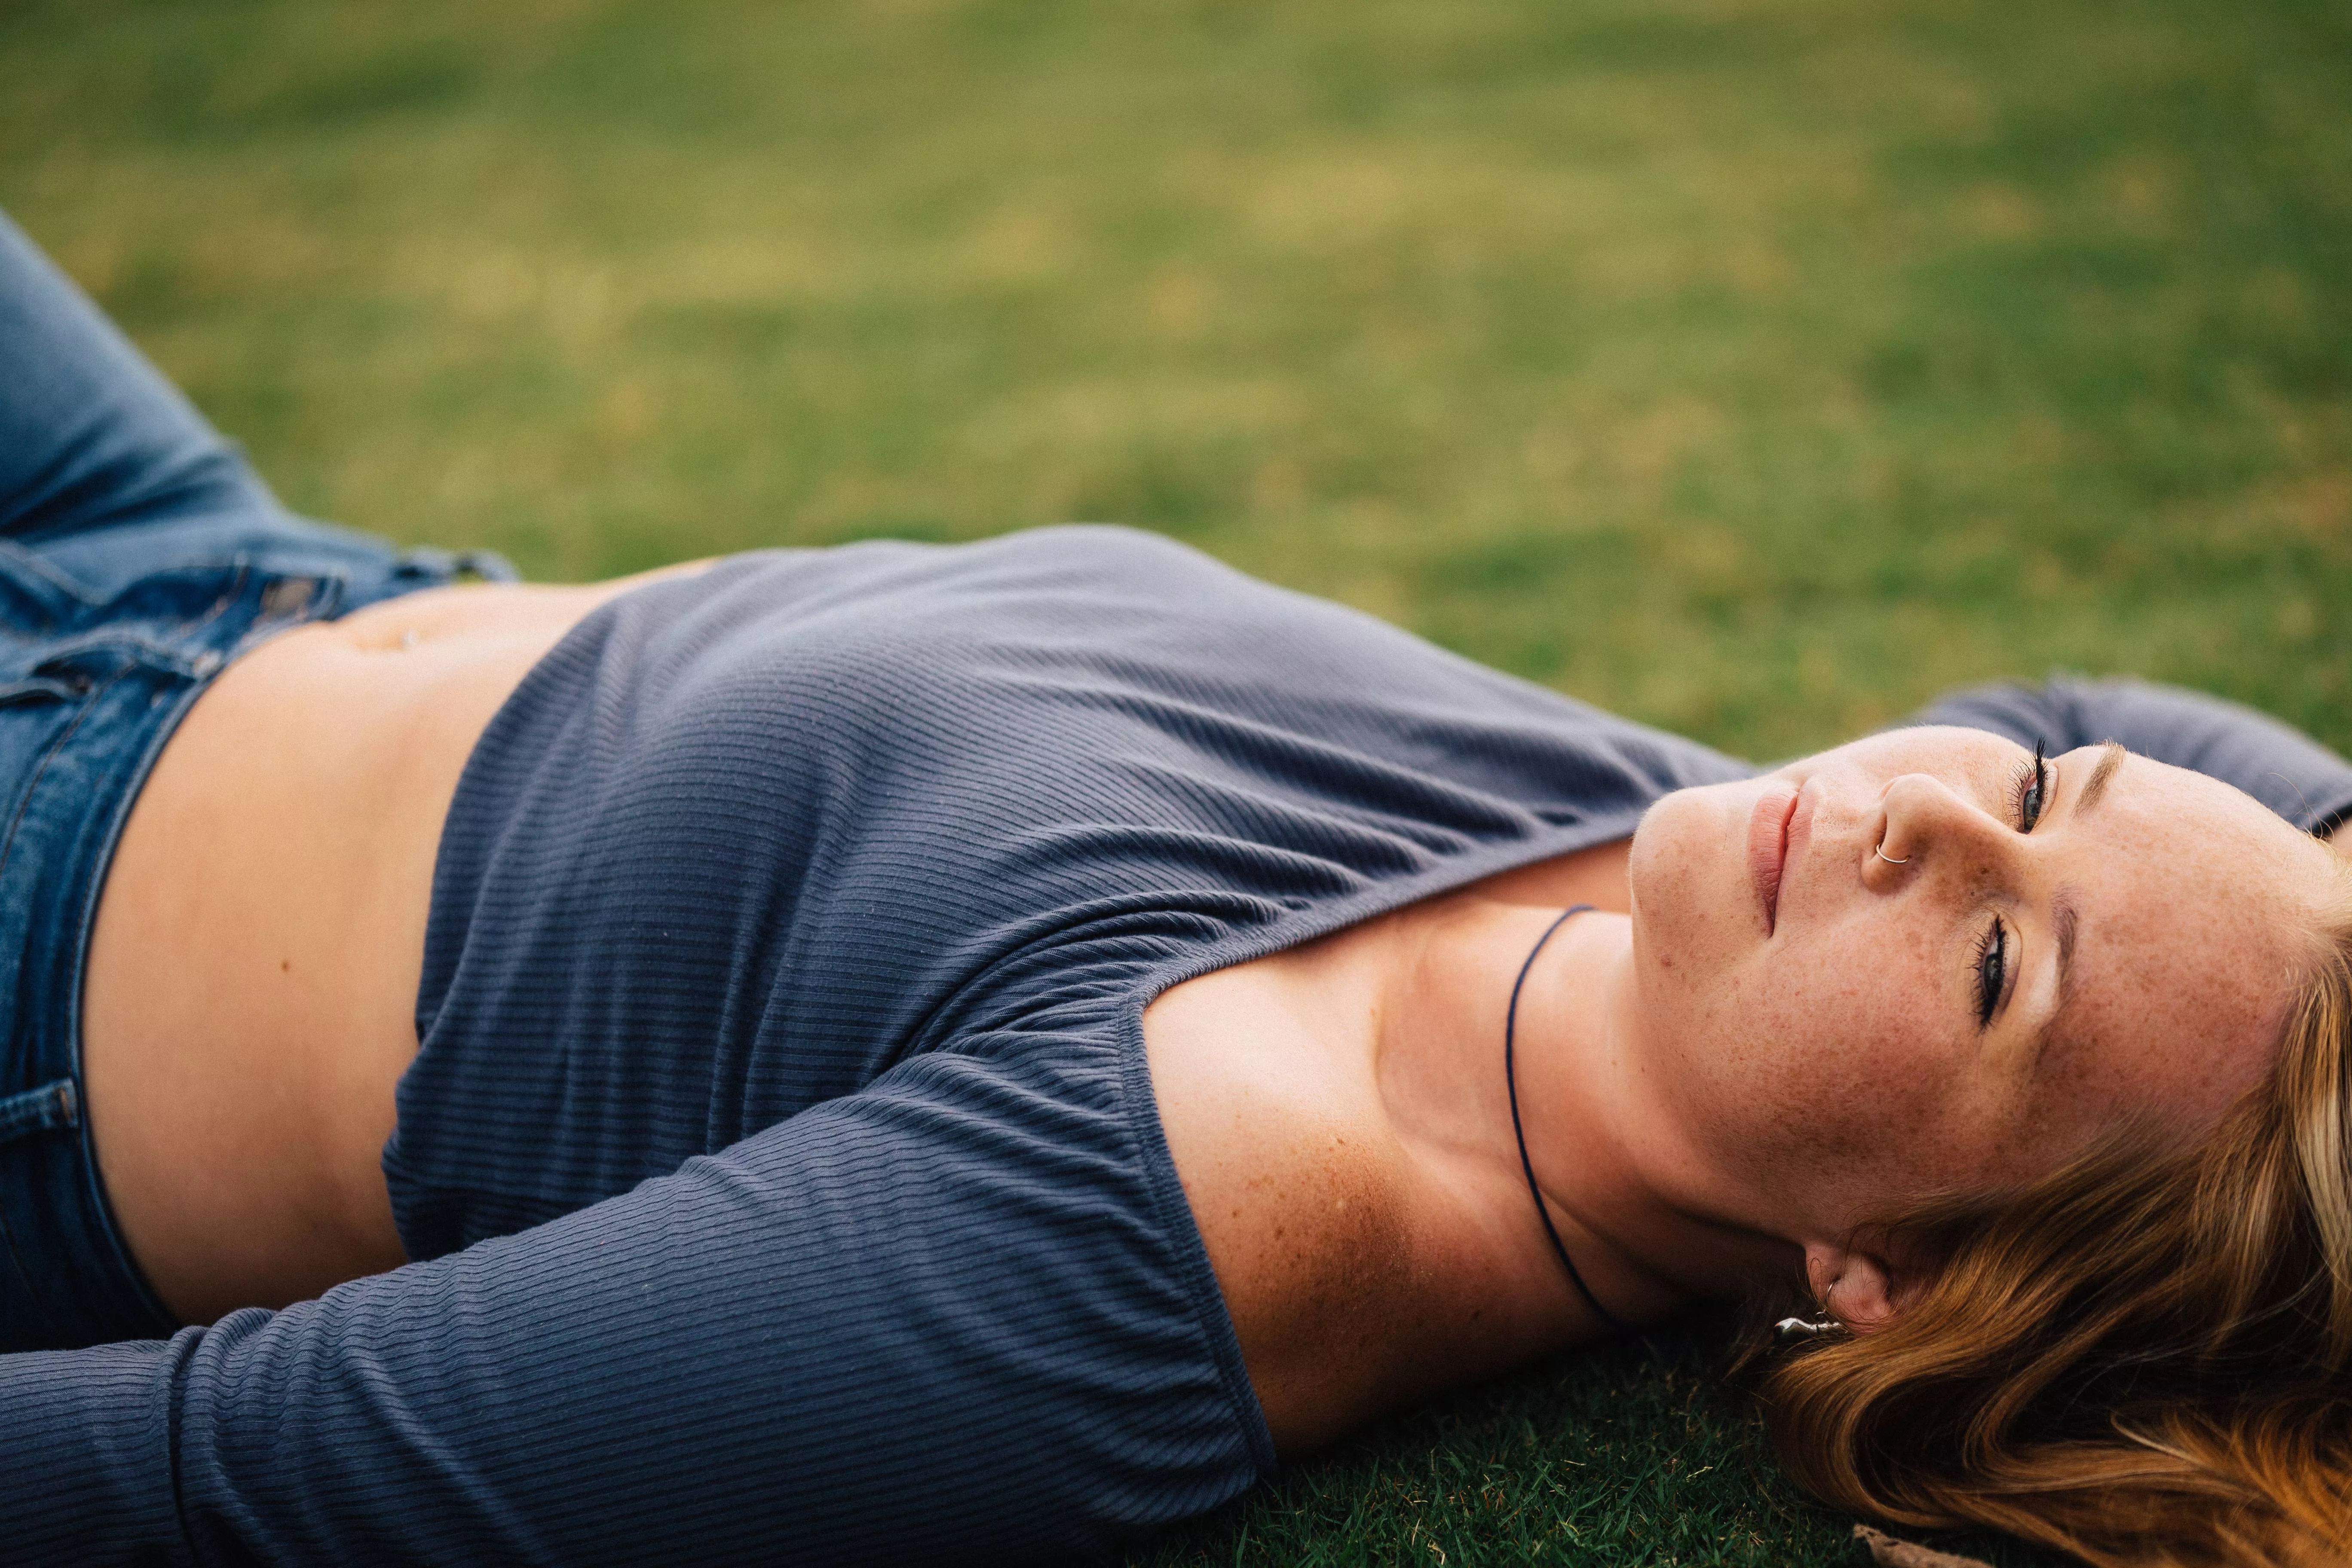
point(2145, 1359)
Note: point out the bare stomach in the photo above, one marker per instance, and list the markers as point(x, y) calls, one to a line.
point(249, 999)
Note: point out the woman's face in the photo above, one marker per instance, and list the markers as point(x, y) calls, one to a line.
point(1835, 1034)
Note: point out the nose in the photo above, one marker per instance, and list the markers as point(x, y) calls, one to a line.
point(1924, 823)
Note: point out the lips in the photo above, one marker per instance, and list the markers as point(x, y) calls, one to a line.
point(1768, 846)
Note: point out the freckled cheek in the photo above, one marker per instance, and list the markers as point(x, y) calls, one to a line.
point(1835, 1068)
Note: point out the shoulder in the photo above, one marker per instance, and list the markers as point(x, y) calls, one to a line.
point(1306, 1203)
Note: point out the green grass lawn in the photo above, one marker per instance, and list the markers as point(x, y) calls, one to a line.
point(1754, 367)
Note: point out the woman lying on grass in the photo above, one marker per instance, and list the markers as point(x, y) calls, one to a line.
point(903, 1054)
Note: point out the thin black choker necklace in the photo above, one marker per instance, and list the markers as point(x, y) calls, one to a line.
point(1510, 1081)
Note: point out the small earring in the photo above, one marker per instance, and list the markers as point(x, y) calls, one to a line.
point(1879, 850)
point(1796, 1330)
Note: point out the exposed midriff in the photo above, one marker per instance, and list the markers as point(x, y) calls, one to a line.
point(249, 996)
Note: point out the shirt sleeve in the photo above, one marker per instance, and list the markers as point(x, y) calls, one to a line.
point(947, 1318)
point(2279, 766)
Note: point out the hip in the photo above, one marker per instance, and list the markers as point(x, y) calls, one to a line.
point(97, 671)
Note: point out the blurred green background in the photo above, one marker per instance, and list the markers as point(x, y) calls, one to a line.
point(1754, 367)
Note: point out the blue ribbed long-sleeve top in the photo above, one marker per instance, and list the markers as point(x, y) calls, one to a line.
point(779, 1158)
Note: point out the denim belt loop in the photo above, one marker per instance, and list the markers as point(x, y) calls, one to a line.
point(54, 1107)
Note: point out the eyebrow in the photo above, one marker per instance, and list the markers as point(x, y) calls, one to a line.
point(2110, 757)
point(2064, 919)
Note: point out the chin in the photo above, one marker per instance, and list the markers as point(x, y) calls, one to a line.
point(1691, 839)
point(1662, 862)
point(1687, 874)
point(1652, 835)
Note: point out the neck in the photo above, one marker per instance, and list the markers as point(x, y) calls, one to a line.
point(1628, 1197)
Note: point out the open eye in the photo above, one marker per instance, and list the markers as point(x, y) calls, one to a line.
point(1993, 969)
point(2033, 789)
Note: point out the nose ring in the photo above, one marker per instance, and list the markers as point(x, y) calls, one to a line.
point(1879, 850)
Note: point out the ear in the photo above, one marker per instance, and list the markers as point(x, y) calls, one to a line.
point(1857, 1287)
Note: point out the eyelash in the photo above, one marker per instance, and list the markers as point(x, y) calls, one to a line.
point(2031, 789)
point(1992, 963)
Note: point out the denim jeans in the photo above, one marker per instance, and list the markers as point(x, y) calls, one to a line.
point(138, 555)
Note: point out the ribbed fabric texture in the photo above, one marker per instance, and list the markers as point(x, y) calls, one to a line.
point(781, 1143)
point(746, 842)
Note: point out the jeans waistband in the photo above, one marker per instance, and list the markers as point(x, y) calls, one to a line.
point(91, 691)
